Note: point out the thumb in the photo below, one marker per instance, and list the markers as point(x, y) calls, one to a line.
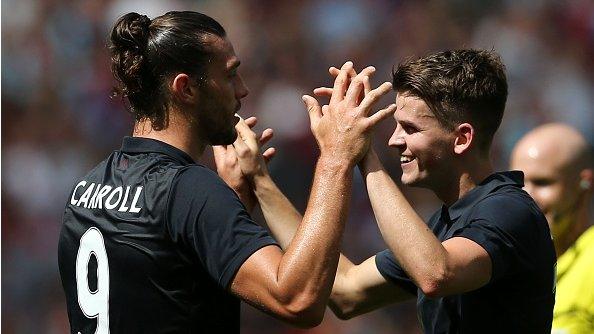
point(313, 108)
point(219, 153)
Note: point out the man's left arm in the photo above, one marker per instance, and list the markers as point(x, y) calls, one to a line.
point(438, 268)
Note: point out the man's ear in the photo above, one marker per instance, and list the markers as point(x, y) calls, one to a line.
point(464, 138)
point(586, 176)
point(183, 89)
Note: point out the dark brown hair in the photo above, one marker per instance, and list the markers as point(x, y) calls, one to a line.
point(145, 53)
point(458, 86)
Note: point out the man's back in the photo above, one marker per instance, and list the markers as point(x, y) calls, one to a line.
point(148, 278)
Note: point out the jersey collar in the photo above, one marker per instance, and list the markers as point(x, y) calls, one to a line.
point(490, 184)
point(146, 145)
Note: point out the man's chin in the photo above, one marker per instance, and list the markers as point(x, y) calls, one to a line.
point(407, 180)
point(413, 181)
point(226, 138)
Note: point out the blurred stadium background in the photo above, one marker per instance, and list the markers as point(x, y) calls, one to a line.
point(58, 119)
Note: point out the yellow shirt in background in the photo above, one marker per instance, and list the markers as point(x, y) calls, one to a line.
point(574, 306)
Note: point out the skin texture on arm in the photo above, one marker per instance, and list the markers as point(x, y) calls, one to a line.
point(296, 237)
point(295, 285)
point(439, 269)
point(357, 289)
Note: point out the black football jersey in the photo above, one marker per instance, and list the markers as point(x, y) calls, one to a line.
point(150, 243)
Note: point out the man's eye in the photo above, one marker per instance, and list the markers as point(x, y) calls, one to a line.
point(542, 182)
point(409, 129)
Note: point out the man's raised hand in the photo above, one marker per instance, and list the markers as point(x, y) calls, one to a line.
point(343, 127)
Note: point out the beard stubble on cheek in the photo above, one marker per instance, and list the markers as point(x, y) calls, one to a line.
point(216, 117)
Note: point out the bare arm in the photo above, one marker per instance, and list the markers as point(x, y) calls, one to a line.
point(357, 289)
point(457, 265)
point(295, 286)
point(306, 271)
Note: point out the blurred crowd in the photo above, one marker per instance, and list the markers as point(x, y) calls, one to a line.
point(58, 119)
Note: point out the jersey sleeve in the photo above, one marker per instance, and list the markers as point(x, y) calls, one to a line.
point(207, 218)
point(389, 267)
point(507, 227)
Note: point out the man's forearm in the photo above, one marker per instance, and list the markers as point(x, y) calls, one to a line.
point(414, 245)
point(311, 257)
point(281, 216)
point(283, 219)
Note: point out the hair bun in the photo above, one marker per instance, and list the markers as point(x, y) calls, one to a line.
point(131, 31)
point(128, 41)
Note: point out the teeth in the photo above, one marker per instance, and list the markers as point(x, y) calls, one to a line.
point(405, 159)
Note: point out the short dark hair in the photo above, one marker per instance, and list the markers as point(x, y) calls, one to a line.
point(458, 86)
point(145, 53)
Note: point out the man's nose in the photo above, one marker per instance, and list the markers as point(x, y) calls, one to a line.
point(397, 138)
point(242, 90)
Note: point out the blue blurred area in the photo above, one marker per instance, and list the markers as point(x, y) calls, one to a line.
point(58, 119)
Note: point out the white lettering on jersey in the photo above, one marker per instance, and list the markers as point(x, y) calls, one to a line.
point(85, 196)
point(133, 208)
point(108, 196)
point(123, 208)
point(108, 204)
point(73, 201)
point(93, 202)
point(102, 194)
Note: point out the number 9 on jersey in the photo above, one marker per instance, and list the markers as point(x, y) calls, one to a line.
point(94, 304)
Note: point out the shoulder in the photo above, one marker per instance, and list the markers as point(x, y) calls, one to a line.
point(198, 178)
point(508, 204)
point(199, 184)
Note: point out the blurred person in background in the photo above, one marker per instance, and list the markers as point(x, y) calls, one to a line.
point(484, 262)
point(153, 242)
point(557, 164)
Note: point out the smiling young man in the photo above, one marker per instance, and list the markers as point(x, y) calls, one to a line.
point(484, 262)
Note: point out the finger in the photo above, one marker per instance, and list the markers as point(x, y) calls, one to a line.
point(219, 152)
point(269, 154)
point(251, 121)
point(323, 91)
point(373, 96)
point(341, 83)
point(239, 144)
point(381, 115)
point(231, 156)
point(325, 109)
point(266, 136)
point(246, 134)
point(313, 108)
point(355, 89)
point(327, 91)
point(333, 71)
point(368, 71)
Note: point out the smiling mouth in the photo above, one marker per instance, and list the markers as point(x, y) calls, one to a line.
point(404, 159)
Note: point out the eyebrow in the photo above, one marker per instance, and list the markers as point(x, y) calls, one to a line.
point(406, 123)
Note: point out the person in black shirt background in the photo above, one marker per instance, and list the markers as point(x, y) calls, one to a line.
point(153, 242)
point(484, 262)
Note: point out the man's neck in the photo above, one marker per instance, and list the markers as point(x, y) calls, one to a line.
point(178, 133)
point(464, 181)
